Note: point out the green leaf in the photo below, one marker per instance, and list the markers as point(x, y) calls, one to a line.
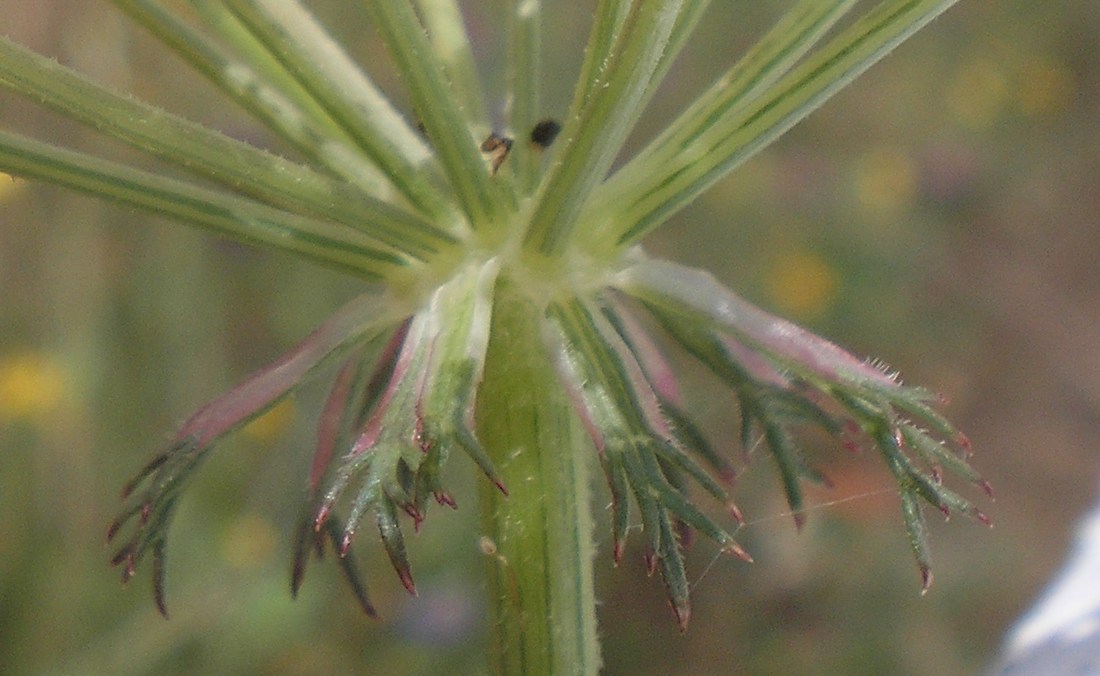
point(624, 418)
point(936, 453)
point(674, 575)
point(460, 312)
point(152, 495)
point(917, 528)
point(309, 540)
point(618, 484)
point(394, 543)
point(688, 434)
point(779, 349)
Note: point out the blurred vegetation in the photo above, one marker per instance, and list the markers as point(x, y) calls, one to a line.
point(938, 214)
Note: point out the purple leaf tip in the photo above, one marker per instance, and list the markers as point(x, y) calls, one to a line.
point(736, 550)
point(926, 578)
point(799, 520)
point(683, 615)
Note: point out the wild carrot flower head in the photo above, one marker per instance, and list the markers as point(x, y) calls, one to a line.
point(442, 212)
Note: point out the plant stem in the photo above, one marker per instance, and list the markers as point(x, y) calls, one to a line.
point(309, 55)
point(539, 537)
point(445, 123)
point(235, 216)
point(600, 120)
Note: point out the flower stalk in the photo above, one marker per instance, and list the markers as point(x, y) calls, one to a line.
point(539, 538)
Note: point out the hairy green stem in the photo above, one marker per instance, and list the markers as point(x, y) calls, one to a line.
point(321, 67)
point(538, 538)
point(234, 216)
point(209, 153)
point(716, 149)
point(292, 114)
point(599, 125)
point(446, 29)
point(524, 74)
point(445, 123)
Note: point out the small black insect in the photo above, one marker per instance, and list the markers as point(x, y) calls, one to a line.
point(545, 132)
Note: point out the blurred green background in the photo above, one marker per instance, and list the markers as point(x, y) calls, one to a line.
point(940, 214)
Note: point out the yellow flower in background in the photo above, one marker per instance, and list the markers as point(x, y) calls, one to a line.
point(803, 283)
point(885, 180)
point(8, 186)
point(978, 92)
point(1040, 86)
point(249, 542)
point(31, 384)
point(272, 424)
point(1046, 88)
